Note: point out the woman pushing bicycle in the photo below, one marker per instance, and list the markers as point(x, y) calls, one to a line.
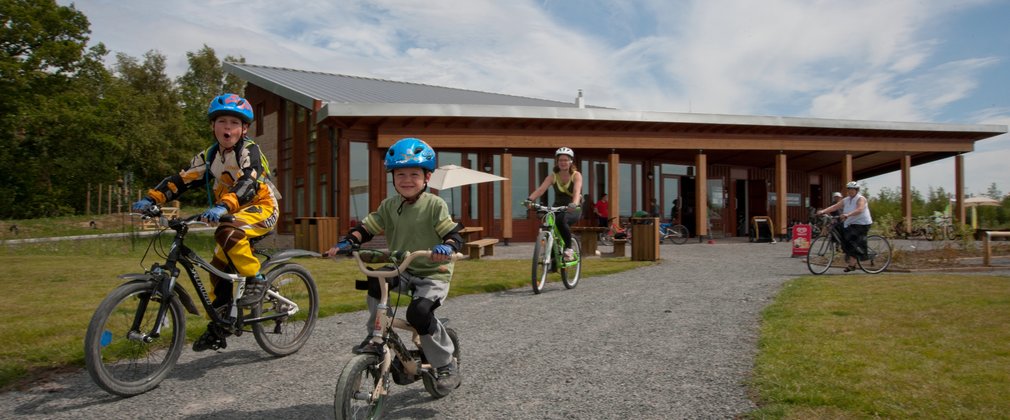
point(413, 220)
point(856, 220)
point(567, 183)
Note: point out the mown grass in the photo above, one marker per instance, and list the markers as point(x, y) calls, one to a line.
point(52, 290)
point(889, 346)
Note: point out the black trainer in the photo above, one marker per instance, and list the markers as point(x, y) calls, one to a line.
point(254, 288)
point(369, 347)
point(447, 378)
point(212, 339)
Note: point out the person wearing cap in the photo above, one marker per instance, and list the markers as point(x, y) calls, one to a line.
point(856, 221)
point(836, 197)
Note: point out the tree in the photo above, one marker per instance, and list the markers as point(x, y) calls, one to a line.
point(993, 192)
point(157, 138)
point(42, 54)
point(204, 80)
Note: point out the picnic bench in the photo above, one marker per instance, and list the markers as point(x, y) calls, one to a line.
point(588, 238)
point(469, 231)
point(151, 224)
point(487, 245)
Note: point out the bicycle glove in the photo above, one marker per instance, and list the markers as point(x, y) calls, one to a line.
point(142, 205)
point(214, 214)
point(344, 247)
point(441, 249)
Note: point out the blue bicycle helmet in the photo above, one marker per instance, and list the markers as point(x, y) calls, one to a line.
point(410, 153)
point(230, 104)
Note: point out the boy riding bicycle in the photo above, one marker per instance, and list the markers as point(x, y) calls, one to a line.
point(236, 167)
point(413, 220)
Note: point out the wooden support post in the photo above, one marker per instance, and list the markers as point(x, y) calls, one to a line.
point(701, 194)
point(846, 169)
point(906, 192)
point(959, 188)
point(780, 194)
point(614, 184)
point(506, 196)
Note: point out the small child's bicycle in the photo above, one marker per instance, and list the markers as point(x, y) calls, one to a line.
point(365, 380)
point(548, 251)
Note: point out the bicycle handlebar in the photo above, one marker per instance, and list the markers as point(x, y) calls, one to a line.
point(374, 256)
point(539, 207)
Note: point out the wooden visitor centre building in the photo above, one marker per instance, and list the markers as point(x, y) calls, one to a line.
point(325, 135)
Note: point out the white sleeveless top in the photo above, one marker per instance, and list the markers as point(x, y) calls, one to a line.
point(850, 204)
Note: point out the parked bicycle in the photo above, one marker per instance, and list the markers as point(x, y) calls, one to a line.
point(548, 250)
point(614, 231)
point(138, 331)
point(826, 251)
point(675, 233)
point(366, 379)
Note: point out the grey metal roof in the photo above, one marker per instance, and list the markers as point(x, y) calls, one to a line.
point(353, 96)
point(303, 87)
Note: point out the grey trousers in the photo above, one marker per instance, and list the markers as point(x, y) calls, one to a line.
point(437, 346)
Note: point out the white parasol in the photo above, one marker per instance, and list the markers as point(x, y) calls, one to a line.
point(449, 176)
point(981, 201)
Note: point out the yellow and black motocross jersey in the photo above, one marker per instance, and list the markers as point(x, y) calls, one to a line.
point(239, 177)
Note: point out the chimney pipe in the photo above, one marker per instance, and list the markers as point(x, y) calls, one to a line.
point(579, 102)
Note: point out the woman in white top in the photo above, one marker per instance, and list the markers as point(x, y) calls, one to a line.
point(856, 224)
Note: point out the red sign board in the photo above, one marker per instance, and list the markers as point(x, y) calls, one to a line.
point(801, 239)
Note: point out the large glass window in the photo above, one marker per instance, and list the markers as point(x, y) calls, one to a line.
point(520, 185)
point(628, 200)
point(359, 180)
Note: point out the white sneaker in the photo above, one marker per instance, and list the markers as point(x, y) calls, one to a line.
point(569, 254)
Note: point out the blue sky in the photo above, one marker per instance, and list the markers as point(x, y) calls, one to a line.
point(894, 60)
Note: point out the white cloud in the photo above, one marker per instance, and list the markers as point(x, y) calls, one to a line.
point(861, 59)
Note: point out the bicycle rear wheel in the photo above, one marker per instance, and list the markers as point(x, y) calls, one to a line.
point(678, 234)
point(821, 255)
point(353, 396)
point(570, 274)
point(117, 356)
point(287, 334)
point(878, 251)
point(540, 265)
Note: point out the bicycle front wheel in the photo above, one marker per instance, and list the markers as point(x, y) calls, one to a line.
point(878, 255)
point(821, 254)
point(353, 398)
point(541, 267)
point(289, 286)
point(122, 359)
point(678, 234)
point(572, 271)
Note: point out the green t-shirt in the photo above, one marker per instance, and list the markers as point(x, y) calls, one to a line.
point(418, 226)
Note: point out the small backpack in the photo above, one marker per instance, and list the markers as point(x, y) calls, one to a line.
point(211, 152)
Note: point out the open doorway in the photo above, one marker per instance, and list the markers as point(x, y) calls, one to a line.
point(740, 208)
point(688, 192)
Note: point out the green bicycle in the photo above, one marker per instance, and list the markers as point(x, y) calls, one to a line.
point(548, 251)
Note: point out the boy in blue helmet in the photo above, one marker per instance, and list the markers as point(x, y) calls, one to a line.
point(413, 220)
point(240, 188)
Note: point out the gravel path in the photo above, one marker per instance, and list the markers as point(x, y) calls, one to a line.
point(674, 340)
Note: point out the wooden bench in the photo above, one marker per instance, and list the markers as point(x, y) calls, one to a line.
point(474, 247)
point(619, 248)
point(151, 224)
point(588, 236)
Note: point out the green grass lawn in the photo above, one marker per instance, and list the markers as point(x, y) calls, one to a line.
point(52, 290)
point(886, 346)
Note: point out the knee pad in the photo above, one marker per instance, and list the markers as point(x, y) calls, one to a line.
point(227, 236)
point(421, 315)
